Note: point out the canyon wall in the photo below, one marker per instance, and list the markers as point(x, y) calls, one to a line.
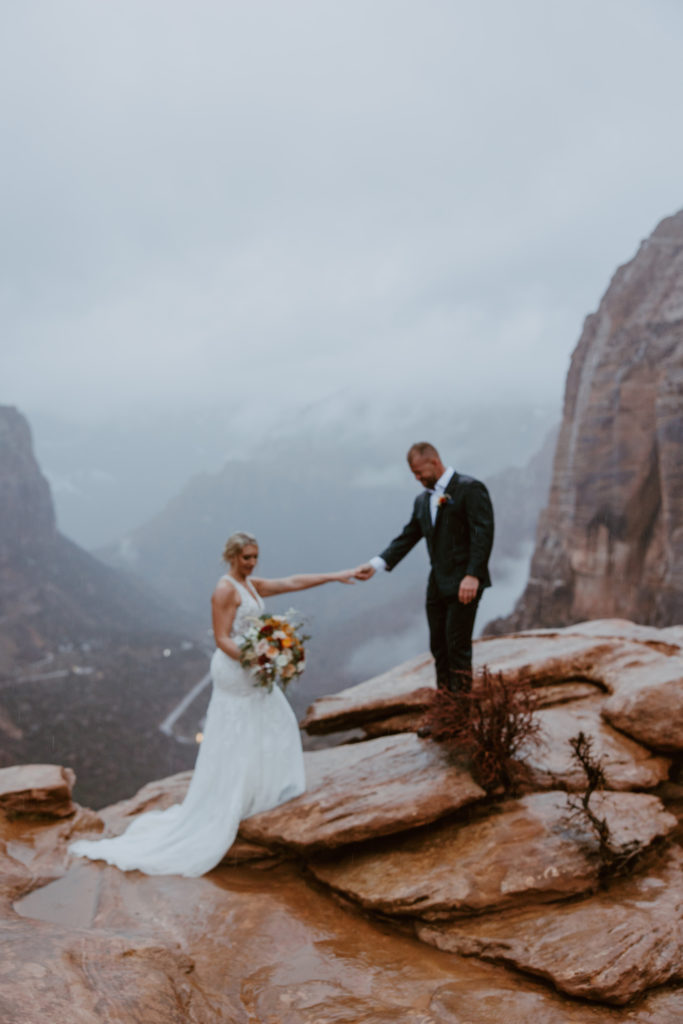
point(91, 661)
point(610, 541)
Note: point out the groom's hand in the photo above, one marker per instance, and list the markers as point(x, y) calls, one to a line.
point(364, 572)
point(469, 586)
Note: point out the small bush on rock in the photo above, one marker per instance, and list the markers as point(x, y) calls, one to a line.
point(615, 859)
point(490, 725)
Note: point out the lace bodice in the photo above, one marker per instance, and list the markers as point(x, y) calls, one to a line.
point(250, 608)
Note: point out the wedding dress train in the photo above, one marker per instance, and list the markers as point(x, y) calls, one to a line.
point(250, 760)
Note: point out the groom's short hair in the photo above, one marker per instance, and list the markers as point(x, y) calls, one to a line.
point(422, 449)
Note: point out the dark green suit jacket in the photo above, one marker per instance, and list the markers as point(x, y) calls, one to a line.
point(459, 542)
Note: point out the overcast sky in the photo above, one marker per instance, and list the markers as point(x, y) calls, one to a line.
point(289, 201)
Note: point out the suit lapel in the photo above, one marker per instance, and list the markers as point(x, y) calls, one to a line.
point(425, 513)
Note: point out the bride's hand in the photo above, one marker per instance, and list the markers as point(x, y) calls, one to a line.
point(345, 576)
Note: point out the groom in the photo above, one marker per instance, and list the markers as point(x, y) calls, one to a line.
point(455, 516)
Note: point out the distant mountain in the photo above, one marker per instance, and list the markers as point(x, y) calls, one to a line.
point(107, 478)
point(610, 542)
point(83, 675)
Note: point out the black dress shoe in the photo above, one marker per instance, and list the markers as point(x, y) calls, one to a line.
point(424, 731)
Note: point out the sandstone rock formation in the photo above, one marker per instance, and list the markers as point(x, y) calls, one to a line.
point(588, 676)
point(627, 764)
point(37, 789)
point(501, 906)
point(636, 706)
point(364, 790)
point(527, 851)
point(610, 542)
point(609, 947)
point(101, 947)
point(402, 690)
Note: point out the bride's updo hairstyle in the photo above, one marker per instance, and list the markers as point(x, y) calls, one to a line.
point(235, 543)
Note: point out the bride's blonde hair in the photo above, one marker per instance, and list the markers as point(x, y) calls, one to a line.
point(235, 543)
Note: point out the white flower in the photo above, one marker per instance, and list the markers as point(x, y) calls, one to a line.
point(261, 648)
point(281, 660)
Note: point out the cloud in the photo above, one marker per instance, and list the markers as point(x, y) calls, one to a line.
point(268, 203)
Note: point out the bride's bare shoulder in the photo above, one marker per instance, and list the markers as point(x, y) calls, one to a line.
point(225, 592)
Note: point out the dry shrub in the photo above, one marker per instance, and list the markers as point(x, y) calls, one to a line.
point(615, 859)
point(490, 725)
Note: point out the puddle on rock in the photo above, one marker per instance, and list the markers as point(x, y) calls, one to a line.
point(267, 946)
point(70, 901)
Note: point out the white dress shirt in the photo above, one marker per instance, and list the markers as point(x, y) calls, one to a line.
point(377, 562)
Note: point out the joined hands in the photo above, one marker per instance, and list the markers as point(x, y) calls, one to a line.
point(362, 572)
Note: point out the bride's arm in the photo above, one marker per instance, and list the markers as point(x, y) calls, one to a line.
point(224, 604)
point(288, 584)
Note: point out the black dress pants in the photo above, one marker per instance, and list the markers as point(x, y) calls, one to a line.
point(451, 624)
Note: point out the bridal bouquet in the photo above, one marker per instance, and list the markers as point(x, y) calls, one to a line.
point(273, 650)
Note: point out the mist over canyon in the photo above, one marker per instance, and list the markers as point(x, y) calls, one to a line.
point(94, 658)
point(111, 476)
point(326, 493)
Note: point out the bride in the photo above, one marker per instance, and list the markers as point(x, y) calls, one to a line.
point(250, 759)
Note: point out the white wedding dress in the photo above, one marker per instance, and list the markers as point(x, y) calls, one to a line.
point(250, 760)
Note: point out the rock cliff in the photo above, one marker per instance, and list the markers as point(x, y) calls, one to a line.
point(610, 542)
point(394, 889)
point(81, 644)
point(26, 513)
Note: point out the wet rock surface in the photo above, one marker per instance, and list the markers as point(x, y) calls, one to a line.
point(618, 682)
point(395, 692)
point(627, 764)
point(65, 976)
point(537, 657)
point(37, 790)
point(457, 1003)
point(651, 709)
point(393, 890)
point(523, 851)
point(363, 790)
point(238, 946)
point(611, 947)
point(626, 663)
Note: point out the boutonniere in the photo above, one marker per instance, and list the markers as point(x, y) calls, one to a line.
point(445, 499)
